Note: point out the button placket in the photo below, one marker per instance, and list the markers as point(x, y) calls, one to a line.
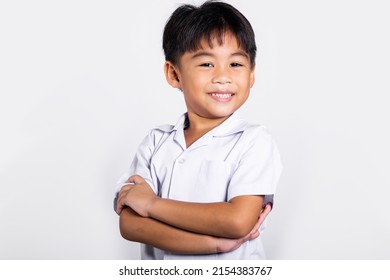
point(176, 171)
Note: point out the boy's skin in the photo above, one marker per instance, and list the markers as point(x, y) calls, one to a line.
point(215, 81)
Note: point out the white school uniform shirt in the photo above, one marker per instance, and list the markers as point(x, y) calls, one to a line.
point(235, 158)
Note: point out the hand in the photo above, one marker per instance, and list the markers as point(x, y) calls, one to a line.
point(264, 212)
point(225, 245)
point(137, 194)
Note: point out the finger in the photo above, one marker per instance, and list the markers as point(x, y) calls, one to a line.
point(245, 238)
point(267, 209)
point(256, 227)
point(125, 188)
point(128, 183)
point(136, 179)
point(121, 196)
point(254, 235)
point(121, 200)
point(119, 207)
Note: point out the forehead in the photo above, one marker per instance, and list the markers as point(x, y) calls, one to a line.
point(212, 41)
point(228, 48)
point(226, 39)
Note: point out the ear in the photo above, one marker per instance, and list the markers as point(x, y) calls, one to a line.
point(252, 75)
point(171, 74)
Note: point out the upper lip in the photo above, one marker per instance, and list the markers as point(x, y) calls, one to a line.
point(222, 92)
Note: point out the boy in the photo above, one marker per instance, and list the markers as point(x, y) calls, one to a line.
point(196, 190)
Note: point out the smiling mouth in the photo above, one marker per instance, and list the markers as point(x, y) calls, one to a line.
point(222, 95)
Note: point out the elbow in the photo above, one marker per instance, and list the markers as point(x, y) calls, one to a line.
point(123, 228)
point(239, 227)
point(127, 226)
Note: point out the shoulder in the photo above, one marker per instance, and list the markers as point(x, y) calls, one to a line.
point(161, 130)
point(253, 133)
point(157, 134)
point(236, 125)
point(248, 133)
point(257, 140)
point(167, 129)
point(164, 128)
point(256, 130)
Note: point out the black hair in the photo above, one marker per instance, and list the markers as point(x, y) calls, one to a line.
point(189, 25)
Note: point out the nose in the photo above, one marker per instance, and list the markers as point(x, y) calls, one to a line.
point(221, 76)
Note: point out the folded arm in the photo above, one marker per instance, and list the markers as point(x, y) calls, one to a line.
point(134, 227)
point(233, 219)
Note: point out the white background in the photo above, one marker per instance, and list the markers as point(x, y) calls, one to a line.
point(81, 83)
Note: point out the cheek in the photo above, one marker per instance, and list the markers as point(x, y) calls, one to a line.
point(248, 81)
point(193, 83)
point(245, 83)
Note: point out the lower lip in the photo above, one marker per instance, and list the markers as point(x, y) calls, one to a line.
point(221, 99)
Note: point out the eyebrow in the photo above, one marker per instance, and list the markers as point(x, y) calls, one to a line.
point(203, 53)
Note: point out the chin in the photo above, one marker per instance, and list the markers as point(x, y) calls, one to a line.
point(220, 115)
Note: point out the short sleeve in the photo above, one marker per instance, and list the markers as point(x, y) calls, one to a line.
point(140, 164)
point(259, 166)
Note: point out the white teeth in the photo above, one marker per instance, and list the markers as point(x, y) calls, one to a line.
point(222, 95)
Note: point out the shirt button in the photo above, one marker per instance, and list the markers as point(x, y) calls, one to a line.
point(181, 160)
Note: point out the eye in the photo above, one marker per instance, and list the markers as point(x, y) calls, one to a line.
point(206, 65)
point(235, 64)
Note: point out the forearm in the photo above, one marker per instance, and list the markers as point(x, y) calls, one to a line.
point(165, 237)
point(232, 219)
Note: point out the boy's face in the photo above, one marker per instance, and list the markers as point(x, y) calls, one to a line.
point(215, 81)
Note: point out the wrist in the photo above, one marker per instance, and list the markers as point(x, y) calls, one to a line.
point(152, 206)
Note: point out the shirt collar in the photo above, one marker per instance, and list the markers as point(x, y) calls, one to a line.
point(233, 124)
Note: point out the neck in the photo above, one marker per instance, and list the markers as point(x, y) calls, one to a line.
point(200, 124)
